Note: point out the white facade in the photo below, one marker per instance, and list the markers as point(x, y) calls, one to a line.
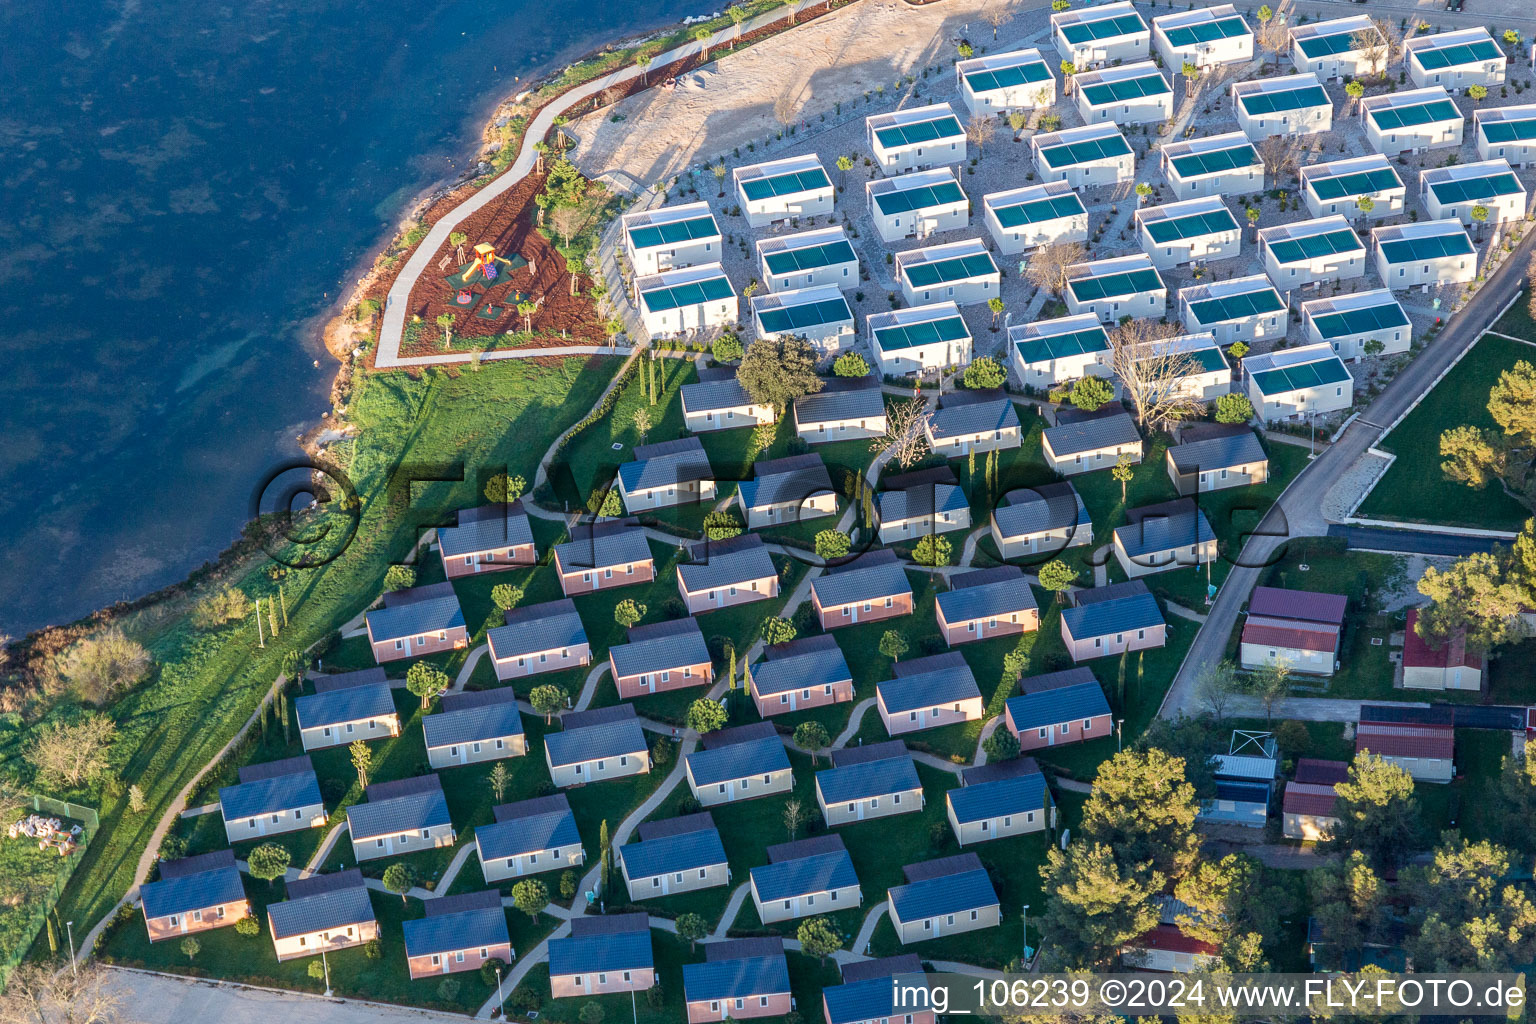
point(692, 299)
point(1311, 251)
point(998, 82)
point(1290, 382)
point(1112, 288)
point(1507, 133)
point(1192, 231)
point(1246, 309)
point(917, 205)
point(1428, 254)
point(819, 315)
point(1208, 377)
point(959, 272)
point(1347, 323)
point(671, 238)
point(1328, 50)
point(1336, 187)
point(1023, 218)
point(1412, 122)
point(1098, 35)
point(1288, 105)
point(808, 260)
point(1206, 37)
point(1083, 157)
point(921, 338)
point(1048, 352)
point(1456, 60)
point(1451, 193)
point(916, 138)
point(778, 190)
point(1217, 165)
point(1128, 94)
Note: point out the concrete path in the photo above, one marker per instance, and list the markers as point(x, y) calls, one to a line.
point(732, 908)
point(468, 668)
point(454, 866)
point(867, 929)
point(198, 812)
point(325, 848)
point(855, 719)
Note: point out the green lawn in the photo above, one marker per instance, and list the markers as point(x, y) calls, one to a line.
point(590, 460)
point(671, 954)
point(1414, 489)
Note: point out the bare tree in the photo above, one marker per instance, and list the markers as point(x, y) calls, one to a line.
point(1279, 153)
point(905, 437)
point(979, 131)
point(1274, 34)
point(997, 16)
point(1372, 46)
point(1154, 373)
point(567, 221)
point(102, 666)
point(786, 109)
point(1392, 39)
point(1048, 266)
point(1216, 687)
point(71, 753)
point(39, 993)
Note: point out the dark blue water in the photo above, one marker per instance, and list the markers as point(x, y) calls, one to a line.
point(185, 188)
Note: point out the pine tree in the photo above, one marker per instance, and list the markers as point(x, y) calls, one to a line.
point(607, 858)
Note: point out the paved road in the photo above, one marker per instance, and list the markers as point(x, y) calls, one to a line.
point(1412, 542)
point(1298, 513)
point(152, 999)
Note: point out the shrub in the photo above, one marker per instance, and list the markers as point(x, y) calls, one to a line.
point(984, 372)
point(228, 605)
point(850, 364)
point(448, 989)
point(1092, 393)
point(489, 968)
point(100, 668)
point(1002, 745)
point(399, 577)
point(1233, 408)
point(832, 544)
point(373, 949)
point(248, 926)
point(726, 348)
point(316, 970)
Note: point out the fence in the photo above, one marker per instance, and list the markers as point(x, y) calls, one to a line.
point(36, 894)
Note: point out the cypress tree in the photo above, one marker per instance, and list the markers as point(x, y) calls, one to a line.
point(607, 858)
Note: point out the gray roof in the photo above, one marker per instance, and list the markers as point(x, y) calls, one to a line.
point(866, 993)
point(714, 395)
point(867, 779)
point(724, 563)
point(528, 826)
point(836, 401)
point(863, 753)
point(1088, 435)
point(1062, 704)
point(326, 910)
point(727, 979)
point(943, 894)
point(551, 626)
point(1220, 452)
point(197, 890)
point(738, 761)
point(336, 707)
point(1157, 528)
point(964, 414)
point(271, 795)
point(786, 879)
point(628, 950)
point(928, 689)
point(659, 647)
point(602, 545)
point(426, 807)
point(986, 599)
point(683, 852)
point(872, 576)
point(408, 613)
point(1047, 507)
point(800, 671)
point(577, 743)
point(464, 929)
point(919, 501)
point(485, 528)
point(484, 715)
point(347, 680)
point(670, 462)
point(1127, 609)
point(785, 481)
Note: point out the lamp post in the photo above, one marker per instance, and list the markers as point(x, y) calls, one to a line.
point(1118, 723)
point(69, 926)
point(498, 988)
point(1024, 926)
point(327, 965)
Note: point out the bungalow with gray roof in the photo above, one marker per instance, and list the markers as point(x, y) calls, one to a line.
point(1081, 444)
point(1046, 519)
point(1113, 619)
point(468, 728)
point(538, 638)
point(459, 933)
point(601, 556)
point(674, 855)
point(1217, 459)
point(946, 896)
point(722, 573)
point(805, 673)
point(592, 746)
point(665, 475)
point(603, 954)
point(488, 538)
point(870, 781)
point(417, 621)
point(786, 491)
point(805, 878)
point(985, 603)
point(845, 409)
point(194, 894)
point(973, 421)
point(336, 717)
point(870, 588)
point(739, 763)
point(1164, 536)
point(660, 657)
point(997, 800)
point(323, 913)
point(271, 798)
point(928, 693)
point(719, 402)
point(867, 995)
point(400, 817)
point(528, 837)
point(739, 978)
point(913, 505)
point(1058, 708)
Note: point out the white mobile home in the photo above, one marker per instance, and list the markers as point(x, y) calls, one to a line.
point(809, 259)
point(1412, 122)
point(1292, 105)
point(1245, 309)
point(1429, 253)
point(1348, 323)
point(693, 299)
point(1206, 37)
point(1508, 133)
point(1331, 49)
point(917, 205)
point(1082, 157)
point(1049, 352)
point(916, 138)
point(1311, 251)
point(1455, 60)
point(1217, 165)
point(1129, 94)
point(670, 238)
point(1097, 35)
point(1453, 192)
point(1192, 231)
point(1023, 218)
point(998, 82)
point(819, 315)
point(1112, 288)
point(1205, 374)
point(1297, 382)
point(1338, 186)
point(961, 272)
point(796, 186)
point(907, 341)
point(719, 402)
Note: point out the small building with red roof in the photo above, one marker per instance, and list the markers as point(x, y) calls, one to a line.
point(1298, 627)
point(1425, 751)
point(1308, 808)
point(1453, 666)
point(1168, 949)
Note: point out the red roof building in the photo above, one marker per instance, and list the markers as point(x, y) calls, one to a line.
point(1423, 751)
point(1451, 666)
point(1166, 948)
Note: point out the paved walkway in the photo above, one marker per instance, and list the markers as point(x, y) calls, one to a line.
point(732, 908)
point(867, 929)
point(162, 999)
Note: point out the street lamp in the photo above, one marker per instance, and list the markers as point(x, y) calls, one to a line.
point(327, 965)
point(1118, 723)
point(69, 926)
point(498, 988)
point(1024, 924)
